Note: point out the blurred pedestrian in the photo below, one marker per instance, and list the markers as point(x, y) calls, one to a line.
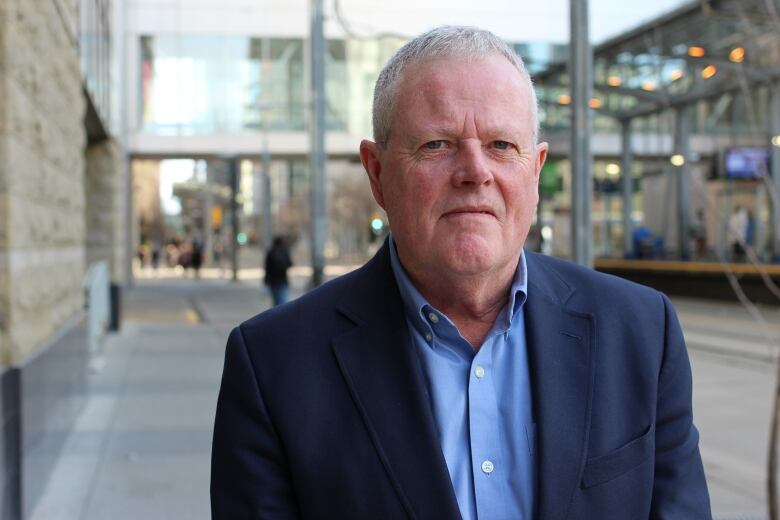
point(738, 228)
point(277, 261)
point(156, 254)
point(698, 232)
point(196, 259)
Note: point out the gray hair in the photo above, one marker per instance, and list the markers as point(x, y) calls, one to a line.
point(446, 41)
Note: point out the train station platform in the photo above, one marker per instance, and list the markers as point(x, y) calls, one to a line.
point(701, 279)
point(141, 445)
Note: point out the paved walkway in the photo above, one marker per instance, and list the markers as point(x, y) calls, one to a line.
point(141, 447)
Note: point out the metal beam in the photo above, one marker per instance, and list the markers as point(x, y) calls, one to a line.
point(234, 245)
point(626, 157)
point(581, 159)
point(774, 161)
point(318, 157)
point(682, 147)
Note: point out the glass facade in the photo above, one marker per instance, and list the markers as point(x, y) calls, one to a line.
point(194, 85)
point(204, 84)
point(95, 55)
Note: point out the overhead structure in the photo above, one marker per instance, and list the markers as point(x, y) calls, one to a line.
point(713, 63)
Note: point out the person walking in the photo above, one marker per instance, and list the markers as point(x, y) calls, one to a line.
point(277, 261)
point(738, 228)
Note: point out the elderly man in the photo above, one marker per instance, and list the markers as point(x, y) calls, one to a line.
point(455, 375)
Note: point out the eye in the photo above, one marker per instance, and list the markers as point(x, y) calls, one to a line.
point(502, 145)
point(434, 145)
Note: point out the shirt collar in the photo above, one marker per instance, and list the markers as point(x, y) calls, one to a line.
point(417, 308)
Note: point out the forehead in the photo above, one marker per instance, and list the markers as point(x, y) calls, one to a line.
point(491, 89)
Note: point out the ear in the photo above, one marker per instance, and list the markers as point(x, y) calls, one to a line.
point(370, 157)
point(541, 156)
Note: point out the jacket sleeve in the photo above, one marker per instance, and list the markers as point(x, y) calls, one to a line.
point(249, 476)
point(679, 489)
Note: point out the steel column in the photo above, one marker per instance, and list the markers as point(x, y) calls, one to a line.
point(774, 162)
point(626, 158)
point(318, 157)
point(682, 147)
point(581, 78)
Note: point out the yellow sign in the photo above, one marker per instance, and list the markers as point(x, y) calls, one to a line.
point(216, 217)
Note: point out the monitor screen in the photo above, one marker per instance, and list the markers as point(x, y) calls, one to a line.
point(747, 163)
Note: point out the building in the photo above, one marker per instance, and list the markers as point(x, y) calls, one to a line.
point(62, 225)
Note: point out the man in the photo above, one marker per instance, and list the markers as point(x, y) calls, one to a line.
point(277, 262)
point(455, 375)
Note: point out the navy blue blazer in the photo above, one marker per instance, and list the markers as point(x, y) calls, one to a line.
point(323, 410)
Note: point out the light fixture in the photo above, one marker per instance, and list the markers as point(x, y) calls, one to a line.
point(564, 99)
point(595, 103)
point(676, 74)
point(737, 54)
point(613, 169)
point(614, 81)
point(677, 159)
point(776, 140)
point(648, 86)
point(696, 51)
point(709, 71)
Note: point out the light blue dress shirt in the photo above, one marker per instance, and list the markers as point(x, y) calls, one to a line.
point(481, 401)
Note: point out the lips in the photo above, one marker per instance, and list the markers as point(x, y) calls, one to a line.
point(475, 210)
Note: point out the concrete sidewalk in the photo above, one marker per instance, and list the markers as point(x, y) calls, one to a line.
point(141, 446)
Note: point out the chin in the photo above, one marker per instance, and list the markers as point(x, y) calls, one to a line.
point(471, 259)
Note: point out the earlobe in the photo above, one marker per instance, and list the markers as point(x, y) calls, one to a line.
point(369, 156)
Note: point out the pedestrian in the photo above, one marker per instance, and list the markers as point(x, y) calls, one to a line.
point(277, 262)
point(698, 232)
point(457, 375)
point(196, 258)
point(737, 230)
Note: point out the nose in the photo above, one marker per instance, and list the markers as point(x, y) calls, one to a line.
point(472, 168)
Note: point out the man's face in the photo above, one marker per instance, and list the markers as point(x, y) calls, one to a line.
point(458, 178)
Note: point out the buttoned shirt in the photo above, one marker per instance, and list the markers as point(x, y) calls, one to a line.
point(481, 401)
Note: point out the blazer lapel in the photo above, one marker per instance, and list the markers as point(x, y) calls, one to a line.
point(386, 381)
point(560, 346)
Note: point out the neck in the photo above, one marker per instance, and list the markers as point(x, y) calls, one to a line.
point(471, 302)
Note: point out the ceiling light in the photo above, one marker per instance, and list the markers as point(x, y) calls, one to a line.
point(709, 71)
point(677, 159)
point(696, 52)
point(737, 54)
point(595, 103)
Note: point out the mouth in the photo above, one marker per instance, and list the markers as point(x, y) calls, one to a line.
point(469, 211)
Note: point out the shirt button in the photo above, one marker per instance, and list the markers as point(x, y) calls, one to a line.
point(428, 336)
point(434, 319)
point(487, 467)
point(479, 372)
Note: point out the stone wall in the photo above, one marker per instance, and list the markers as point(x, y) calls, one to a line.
point(105, 203)
point(42, 197)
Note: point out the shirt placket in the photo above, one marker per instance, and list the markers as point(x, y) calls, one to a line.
point(487, 461)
